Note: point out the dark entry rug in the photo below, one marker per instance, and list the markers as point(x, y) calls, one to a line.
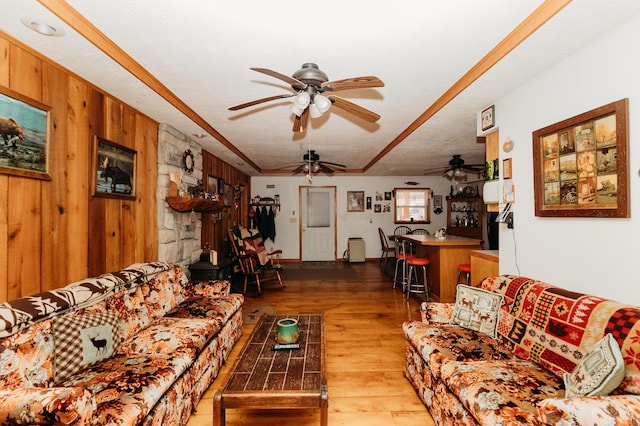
point(318, 274)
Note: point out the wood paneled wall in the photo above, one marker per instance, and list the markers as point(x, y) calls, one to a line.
point(55, 232)
point(214, 231)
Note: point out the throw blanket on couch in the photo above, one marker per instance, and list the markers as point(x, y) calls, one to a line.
point(543, 336)
point(138, 346)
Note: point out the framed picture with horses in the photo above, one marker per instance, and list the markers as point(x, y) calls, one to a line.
point(114, 171)
point(24, 135)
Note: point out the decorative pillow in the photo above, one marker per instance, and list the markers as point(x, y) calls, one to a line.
point(477, 309)
point(83, 340)
point(598, 373)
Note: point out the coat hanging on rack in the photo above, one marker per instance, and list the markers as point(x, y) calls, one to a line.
point(266, 222)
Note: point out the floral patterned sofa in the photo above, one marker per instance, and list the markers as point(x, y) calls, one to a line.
point(137, 346)
point(532, 372)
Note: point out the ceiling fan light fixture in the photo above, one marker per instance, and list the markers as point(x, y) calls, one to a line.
point(297, 111)
point(315, 168)
point(305, 167)
point(302, 100)
point(322, 102)
point(459, 173)
point(314, 111)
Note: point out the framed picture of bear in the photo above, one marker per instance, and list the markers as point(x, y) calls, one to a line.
point(580, 165)
point(24, 135)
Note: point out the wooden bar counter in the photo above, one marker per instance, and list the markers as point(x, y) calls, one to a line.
point(444, 256)
point(484, 263)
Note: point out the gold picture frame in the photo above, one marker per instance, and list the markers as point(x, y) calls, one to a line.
point(25, 129)
point(507, 168)
point(581, 165)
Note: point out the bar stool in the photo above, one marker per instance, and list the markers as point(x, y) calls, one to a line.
point(464, 268)
point(401, 265)
point(414, 285)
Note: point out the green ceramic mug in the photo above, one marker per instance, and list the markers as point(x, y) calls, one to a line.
point(287, 331)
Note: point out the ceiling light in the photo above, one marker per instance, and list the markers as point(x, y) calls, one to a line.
point(322, 102)
point(315, 168)
point(300, 103)
point(459, 173)
point(314, 111)
point(41, 27)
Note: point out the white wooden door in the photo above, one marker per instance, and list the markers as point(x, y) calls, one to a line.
point(317, 223)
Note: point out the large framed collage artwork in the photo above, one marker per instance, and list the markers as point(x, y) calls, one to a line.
point(581, 166)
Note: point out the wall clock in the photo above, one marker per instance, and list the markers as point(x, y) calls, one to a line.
point(188, 161)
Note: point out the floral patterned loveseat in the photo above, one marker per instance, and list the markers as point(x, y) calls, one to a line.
point(543, 336)
point(137, 346)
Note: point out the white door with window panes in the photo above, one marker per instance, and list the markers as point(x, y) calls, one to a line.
point(317, 223)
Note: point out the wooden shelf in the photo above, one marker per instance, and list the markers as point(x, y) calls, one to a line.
point(187, 204)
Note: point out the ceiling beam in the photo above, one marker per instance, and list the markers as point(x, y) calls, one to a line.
point(528, 26)
point(80, 24)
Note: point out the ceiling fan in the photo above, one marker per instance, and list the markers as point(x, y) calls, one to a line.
point(311, 163)
point(308, 84)
point(457, 168)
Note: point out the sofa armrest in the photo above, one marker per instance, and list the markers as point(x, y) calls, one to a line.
point(583, 410)
point(436, 313)
point(57, 406)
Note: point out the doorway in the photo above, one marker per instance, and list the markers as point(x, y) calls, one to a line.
point(317, 223)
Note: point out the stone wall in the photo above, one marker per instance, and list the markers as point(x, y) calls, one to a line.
point(179, 234)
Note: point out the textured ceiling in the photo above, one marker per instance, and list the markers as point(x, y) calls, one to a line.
point(201, 51)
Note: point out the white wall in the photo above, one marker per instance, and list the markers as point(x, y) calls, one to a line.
point(349, 224)
point(596, 256)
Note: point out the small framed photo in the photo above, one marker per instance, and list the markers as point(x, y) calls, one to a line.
point(507, 171)
point(228, 194)
point(437, 201)
point(115, 170)
point(24, 135)
point(212, 184)
point(488, 117)
point(387, 195)
point(377, 208)
point(368, 203)
point(355, 201)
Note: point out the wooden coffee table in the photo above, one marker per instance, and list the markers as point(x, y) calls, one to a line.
point(262, 378)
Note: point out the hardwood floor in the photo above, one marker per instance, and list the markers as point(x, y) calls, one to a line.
point(365, 353)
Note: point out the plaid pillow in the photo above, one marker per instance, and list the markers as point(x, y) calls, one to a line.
point(83, 340)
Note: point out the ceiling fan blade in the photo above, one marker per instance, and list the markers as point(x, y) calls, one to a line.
point(353, 83)
point(300, 123)
point(474, 167)
point(325, 169)
point(333, 164)
point(298, 169)
point(436, 170)
point(292, 81)
point(259, 101)
point(354, 109)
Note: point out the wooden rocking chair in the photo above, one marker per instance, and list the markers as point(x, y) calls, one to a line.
point(254, 261)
